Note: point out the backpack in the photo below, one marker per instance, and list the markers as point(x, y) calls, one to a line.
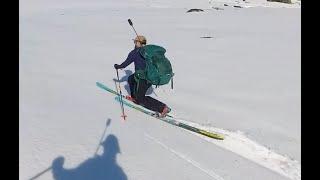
point(158, 69)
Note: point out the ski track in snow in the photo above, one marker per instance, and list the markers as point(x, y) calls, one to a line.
point(180, 155)
point(240, 144)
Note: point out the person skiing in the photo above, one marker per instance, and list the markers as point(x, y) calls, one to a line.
point(139, 87)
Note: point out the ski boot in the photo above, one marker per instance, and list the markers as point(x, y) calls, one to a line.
point(130, 98)
point(164, 112)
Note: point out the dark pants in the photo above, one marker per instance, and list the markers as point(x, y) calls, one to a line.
point(138, 92)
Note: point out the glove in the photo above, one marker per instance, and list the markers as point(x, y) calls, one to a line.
point(116, 66)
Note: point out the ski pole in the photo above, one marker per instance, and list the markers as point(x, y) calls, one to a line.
point(131, 24)
point(121, 102)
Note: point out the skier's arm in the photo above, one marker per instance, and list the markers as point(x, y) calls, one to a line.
point(127, 62)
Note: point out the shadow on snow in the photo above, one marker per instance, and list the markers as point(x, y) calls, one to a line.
point(99, 167)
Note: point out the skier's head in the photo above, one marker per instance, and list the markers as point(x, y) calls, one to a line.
point(140, 41)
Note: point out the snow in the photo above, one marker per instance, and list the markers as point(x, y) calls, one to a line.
point(244, 82)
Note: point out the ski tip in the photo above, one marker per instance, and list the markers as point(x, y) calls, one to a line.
point(99, 84)
point(212, 135)
point(219, 137)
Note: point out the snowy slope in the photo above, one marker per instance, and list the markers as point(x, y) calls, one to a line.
point(243, 82)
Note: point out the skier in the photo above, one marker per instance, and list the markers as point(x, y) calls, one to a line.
point(139, 87)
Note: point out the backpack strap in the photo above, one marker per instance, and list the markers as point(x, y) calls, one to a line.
point(138, 82)
point(158, 83)
point(137, 77)
point(172, 82)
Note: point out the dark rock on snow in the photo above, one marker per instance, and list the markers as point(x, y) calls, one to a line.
point(194, 10)
point(282, 1)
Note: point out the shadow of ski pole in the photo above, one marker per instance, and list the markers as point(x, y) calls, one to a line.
point(42, 172)
point(104, 132)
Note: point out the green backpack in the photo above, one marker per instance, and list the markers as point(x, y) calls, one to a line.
point(158, 69)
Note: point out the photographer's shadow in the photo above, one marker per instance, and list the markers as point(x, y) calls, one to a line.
point(100, 167)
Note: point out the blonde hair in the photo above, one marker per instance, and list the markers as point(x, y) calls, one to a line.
point(141, 39)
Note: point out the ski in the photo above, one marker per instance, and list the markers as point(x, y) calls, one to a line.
point(173, 121)
point(102, 86)
point(169, 118)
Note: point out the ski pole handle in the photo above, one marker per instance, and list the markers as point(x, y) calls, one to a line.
point(130, 22)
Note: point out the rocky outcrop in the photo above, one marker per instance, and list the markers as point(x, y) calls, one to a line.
point(282, 1)
point(194, 10)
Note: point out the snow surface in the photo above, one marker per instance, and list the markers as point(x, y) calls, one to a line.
point(244, 82)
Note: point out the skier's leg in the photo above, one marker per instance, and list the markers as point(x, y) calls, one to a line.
point(132, 84)
point(147, 101)
point(154, 104)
